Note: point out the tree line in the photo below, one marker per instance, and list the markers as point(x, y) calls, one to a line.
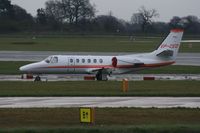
point(79, 16)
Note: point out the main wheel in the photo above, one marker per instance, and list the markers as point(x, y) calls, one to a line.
point(100, 76)
point(37, 78)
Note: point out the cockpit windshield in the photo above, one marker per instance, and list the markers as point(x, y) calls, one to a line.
point(51, 59)
point(47, 60)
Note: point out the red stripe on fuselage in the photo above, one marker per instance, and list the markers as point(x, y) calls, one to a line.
point(110, 66)
point(159, 64)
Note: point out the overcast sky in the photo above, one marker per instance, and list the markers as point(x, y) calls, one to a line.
point(125, 8)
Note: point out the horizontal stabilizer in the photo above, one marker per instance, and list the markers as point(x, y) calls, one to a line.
point(166, 53)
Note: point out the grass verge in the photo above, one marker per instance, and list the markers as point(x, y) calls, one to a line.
point(11, 67)
point(124, 120)
point(87, 44)
point(110, 129)
point(92, 88)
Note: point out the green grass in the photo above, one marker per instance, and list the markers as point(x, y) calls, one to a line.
point(9, 67)
point(86, 44)
point(110, 129)
point(173, 69)
point(93, 88)
point(120, 120)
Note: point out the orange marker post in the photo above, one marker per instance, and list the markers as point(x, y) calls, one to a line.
point(125, 85)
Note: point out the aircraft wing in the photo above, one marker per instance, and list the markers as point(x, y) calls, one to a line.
point(136, 63)
point(105, 70)
point(115, 65)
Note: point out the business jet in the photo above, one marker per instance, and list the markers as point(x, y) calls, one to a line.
point(103, 66)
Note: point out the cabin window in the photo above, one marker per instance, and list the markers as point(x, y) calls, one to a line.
point(89, 60)
point(71, 60)
point(83, 60)
point(101, 60)
point(95, 60)
point(77, 60)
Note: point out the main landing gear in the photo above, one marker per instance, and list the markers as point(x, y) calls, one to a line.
point(101, 75)
point(37, 78)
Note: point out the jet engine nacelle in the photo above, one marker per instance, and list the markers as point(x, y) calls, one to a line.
point(114, 61)
point(117, 61)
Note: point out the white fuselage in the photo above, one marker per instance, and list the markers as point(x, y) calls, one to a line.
point(70, 64)
point(164, 55)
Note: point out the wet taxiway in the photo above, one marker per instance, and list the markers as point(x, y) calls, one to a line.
point(114, 102)
point(130, 77)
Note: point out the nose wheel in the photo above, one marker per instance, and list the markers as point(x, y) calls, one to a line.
point(37, 78)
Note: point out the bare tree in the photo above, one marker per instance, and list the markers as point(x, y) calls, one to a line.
point(137, 18)
point(41, 16)
point(144, 17)
point(67, 10)
point(71, 11)
point(53, 10)
point(82, 9)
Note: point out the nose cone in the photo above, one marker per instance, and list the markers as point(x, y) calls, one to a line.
point(33, 68)
point(29, 68)
point(23, 69)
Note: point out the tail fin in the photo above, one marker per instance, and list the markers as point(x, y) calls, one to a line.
point(170, 46)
